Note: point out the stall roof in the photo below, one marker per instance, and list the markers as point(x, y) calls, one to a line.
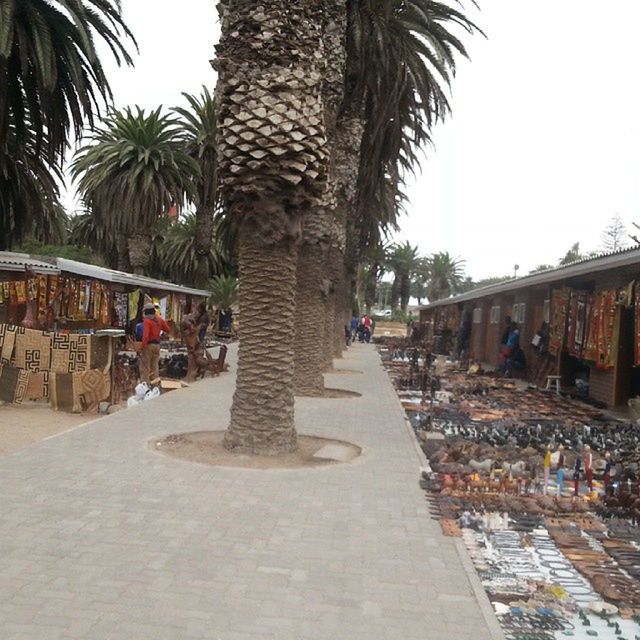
point(43, 264)
point(588, 266)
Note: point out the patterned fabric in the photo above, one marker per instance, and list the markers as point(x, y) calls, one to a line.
point(32, 350)
point(558, 329)
point(7, 343)
point(61, 394)
point(90, 388)
point(69, 352)
point(38, 386)
point(577, 321)
point(13, 384)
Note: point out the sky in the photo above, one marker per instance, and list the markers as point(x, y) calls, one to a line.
point(542, 148)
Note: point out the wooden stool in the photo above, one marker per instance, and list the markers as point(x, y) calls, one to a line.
point(553, 384)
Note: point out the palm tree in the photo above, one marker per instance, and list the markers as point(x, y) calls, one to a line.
point(134, 169)
point(315, 320)
point(199, 123)
point(404, 261)
point(178, 253)
point(86, 231)
point(224, 291)
point(272, 163)
point(444, 275)
point(29, 189)
point(51, 76)
point(399, 99)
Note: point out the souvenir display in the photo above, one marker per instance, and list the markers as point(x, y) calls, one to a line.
point(553, 564)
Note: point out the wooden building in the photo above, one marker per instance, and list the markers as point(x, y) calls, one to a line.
point(586, 316)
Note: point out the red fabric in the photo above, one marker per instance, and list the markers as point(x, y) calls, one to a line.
point(151, 330)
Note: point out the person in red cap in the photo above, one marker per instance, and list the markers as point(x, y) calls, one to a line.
point(152, 327)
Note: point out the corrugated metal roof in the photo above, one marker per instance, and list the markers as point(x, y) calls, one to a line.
point(11, 261)
point(587, 266)
point(42, 264)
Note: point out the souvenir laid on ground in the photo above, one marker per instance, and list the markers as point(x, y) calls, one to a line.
point(542, 490)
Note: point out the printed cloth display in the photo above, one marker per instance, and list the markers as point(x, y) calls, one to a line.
point(7, 343)
point(69, 352)
point(637, 326)
point(32, 349)
point(603, 335)
point(80, 391)
point(577, 322)
point(13, 384)
point(37, 386)
point(558, 328)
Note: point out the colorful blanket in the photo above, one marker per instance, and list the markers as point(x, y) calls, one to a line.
point(558, 328)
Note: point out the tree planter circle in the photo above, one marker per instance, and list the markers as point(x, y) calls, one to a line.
point(206, 447)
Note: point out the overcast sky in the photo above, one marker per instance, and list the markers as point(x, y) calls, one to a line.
point(543, 145)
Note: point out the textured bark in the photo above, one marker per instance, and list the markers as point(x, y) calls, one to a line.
point(395, 293)
point(273, 165)
point(262, 419)
point(203, 242)
point(309, 322)
point(139, 246)
point(329, 320)
point(122, 247)
point(405, 292)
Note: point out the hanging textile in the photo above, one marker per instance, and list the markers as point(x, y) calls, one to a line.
point(577, 323)
point(122, 306)
point(32, 349)
point(13, 384)
point(637, 326)
point(37, 386)
point(7, 343)
point(69, 352)
point(43, 290)
point(134, 303)
point(602, 342)
point(558, 328)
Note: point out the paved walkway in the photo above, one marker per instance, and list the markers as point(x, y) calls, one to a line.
point(101, 538)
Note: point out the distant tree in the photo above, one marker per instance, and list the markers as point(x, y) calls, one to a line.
point(403, 261)
point(444, 275)
point(614, 236)
point(541, 267)
point(573, 255)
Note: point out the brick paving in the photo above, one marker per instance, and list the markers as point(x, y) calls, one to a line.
point(101, 538)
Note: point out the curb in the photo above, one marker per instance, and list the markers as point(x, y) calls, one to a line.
point(486, 608)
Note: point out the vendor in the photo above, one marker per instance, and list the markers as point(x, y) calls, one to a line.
point(152, 327)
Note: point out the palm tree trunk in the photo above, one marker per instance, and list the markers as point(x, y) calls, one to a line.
point(395, 293)
point(122, 247)
point(139, 245)
point(203, 241)
point(329, 319)
point(262, 411)
point(405, 288)
point(309, 322)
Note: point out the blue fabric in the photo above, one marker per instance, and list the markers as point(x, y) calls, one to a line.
point(139, 329)
point(514, 339)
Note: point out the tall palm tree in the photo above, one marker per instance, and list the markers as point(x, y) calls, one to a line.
point(444, 275)
point(224, 291)
point(272, 164)
point(133, 170)
point(29, 189)
point(86, 231)
point(401, 98)
point(199, 124)
point(179, 255)
point(315, 320)
point(403, 261)
point(51, 76)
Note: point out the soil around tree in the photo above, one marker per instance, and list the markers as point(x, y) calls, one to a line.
point(330, 393)
point(345, 372)
point(206, 447)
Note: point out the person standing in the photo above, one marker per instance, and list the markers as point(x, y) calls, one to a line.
point(576, 475)
point(366, 321)
point(588, 466)
point(606, 478)
point(152, 328)
point(560, 471)
point(354, 327)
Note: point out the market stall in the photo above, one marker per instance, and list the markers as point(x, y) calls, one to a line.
point(60, 318)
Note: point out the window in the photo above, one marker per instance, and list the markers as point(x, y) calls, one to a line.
point(546, 311)
point(477, 315)
point(518, 313)
point(495, 315)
